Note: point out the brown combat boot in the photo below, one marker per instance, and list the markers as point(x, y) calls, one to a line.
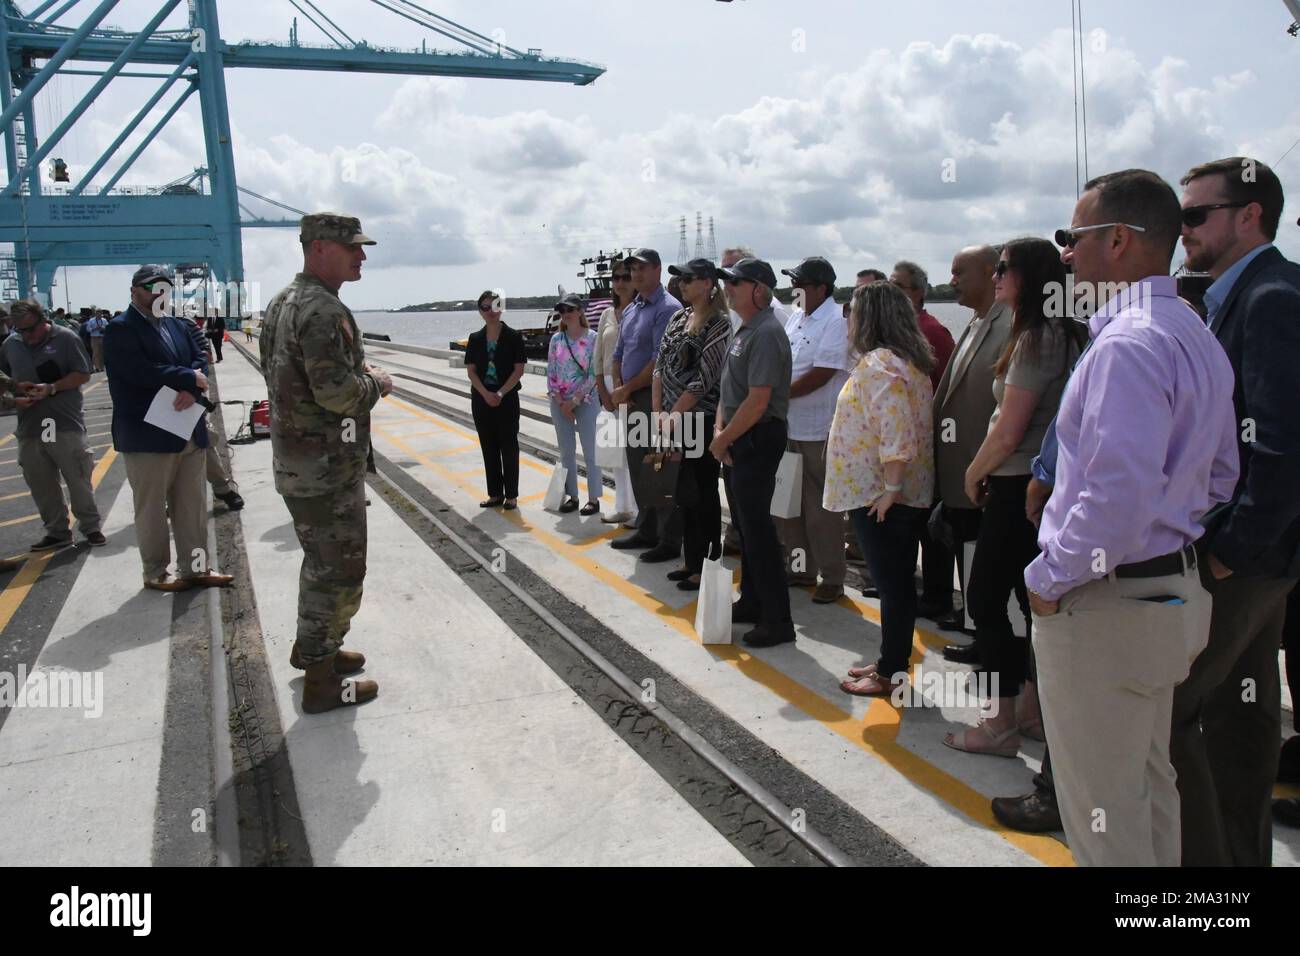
point(345, 662)
point(323, 689)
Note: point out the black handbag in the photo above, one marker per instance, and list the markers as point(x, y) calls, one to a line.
point(660, 471)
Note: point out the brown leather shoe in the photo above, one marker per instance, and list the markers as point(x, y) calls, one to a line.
point(169, 583)
point(345, 662)
point(324, 690)
point(210, 580)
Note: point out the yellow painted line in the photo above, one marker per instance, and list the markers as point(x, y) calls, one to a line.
point(21, 494)
point(452, 429)
point(603, 536)
point(7, 439)
point(14, 521)
point(15, 592)
point(877, 733)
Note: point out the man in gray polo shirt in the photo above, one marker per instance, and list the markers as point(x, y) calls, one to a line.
point(749, 439)
point(51, 429)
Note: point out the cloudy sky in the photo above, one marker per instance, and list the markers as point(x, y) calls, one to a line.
point(859, 130)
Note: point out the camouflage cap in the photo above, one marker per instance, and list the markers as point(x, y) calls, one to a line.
point(334, 227)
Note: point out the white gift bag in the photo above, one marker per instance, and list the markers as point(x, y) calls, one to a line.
point(555, 490)
point(611, 442)
point(713, 610)
point(789, 486)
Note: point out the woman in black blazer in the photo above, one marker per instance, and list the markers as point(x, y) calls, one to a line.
point(495, 361)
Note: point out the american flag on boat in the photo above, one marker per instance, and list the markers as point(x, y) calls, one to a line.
point(594, 309)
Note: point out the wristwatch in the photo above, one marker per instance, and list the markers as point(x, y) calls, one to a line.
point(499, 395)
point(54, 388)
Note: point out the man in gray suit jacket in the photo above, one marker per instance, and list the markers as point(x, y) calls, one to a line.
point(963, 404)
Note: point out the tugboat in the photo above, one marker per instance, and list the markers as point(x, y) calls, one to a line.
point(596, 273)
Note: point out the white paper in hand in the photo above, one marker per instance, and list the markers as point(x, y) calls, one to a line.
point(163, 414)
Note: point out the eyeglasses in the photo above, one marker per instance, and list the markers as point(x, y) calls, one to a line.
point(1002, 268)
point(1194, 216)
point(1069, 238)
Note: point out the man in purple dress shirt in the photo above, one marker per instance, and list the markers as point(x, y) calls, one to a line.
point(639, 331)
point(1147, 444)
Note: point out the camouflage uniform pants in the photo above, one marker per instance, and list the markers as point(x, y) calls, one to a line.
point(332, 531)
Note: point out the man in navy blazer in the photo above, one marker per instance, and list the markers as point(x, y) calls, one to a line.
point(1227, 713)
point(145, 350)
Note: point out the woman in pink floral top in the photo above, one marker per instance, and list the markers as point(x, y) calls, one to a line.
point(571, 386)
point(880, 466)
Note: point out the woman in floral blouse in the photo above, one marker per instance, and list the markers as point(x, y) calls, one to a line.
point(880, 466)
point(571, 386)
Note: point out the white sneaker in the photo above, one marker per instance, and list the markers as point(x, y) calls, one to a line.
point(617, 517)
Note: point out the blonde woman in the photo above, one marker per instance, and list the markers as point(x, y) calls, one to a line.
point(606, 340)
point(880, 466)
point(685, 387)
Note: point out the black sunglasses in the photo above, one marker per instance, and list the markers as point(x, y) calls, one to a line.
point(1002, 268)
point(1194, 216)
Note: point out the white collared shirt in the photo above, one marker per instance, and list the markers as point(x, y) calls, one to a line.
point(820, 340)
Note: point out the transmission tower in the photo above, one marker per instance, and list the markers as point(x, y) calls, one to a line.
point(711, 250)
point(699, 236)
point(682, 254)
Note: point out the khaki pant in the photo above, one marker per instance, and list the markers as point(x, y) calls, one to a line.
point(97, 352)
point(817, 533)
point(43, 462)
point(1107, 665)
point(217, 464)
point(163, 484)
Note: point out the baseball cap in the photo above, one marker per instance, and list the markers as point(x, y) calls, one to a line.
point(646, 255)
point(701, 268)
point(334, 227)
point(751, 269)
point(151, 273)
point(813, 269)
point(572, 299)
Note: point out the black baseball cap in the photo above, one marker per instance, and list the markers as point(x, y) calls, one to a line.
point(150, 273)
point(696, 268)
point(752, 270)
point(646, 255)
point(572, 299)
point(813, 269)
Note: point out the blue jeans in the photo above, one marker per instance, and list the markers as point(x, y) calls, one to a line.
point(566, 432)
point(889, 547)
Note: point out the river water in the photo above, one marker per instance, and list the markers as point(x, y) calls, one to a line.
point(438, 329)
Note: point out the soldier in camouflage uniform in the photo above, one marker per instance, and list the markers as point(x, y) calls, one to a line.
point(321, 391)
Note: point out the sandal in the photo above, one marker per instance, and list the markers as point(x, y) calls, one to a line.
point(872, 685)
point(857, 673)
point(492, 503)
point(590, 508)
point(997, 745)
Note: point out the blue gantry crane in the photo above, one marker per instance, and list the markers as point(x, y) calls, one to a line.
point(195, 220)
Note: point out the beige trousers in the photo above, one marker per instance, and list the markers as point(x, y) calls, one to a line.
point(1108, 662)
point(43, 462)
point(817, 534)
point(163, 484)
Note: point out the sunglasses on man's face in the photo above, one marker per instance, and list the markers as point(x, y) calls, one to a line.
point(1069, 238)
point(1194, 216)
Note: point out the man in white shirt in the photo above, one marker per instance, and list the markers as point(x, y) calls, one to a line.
point(819, 346)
